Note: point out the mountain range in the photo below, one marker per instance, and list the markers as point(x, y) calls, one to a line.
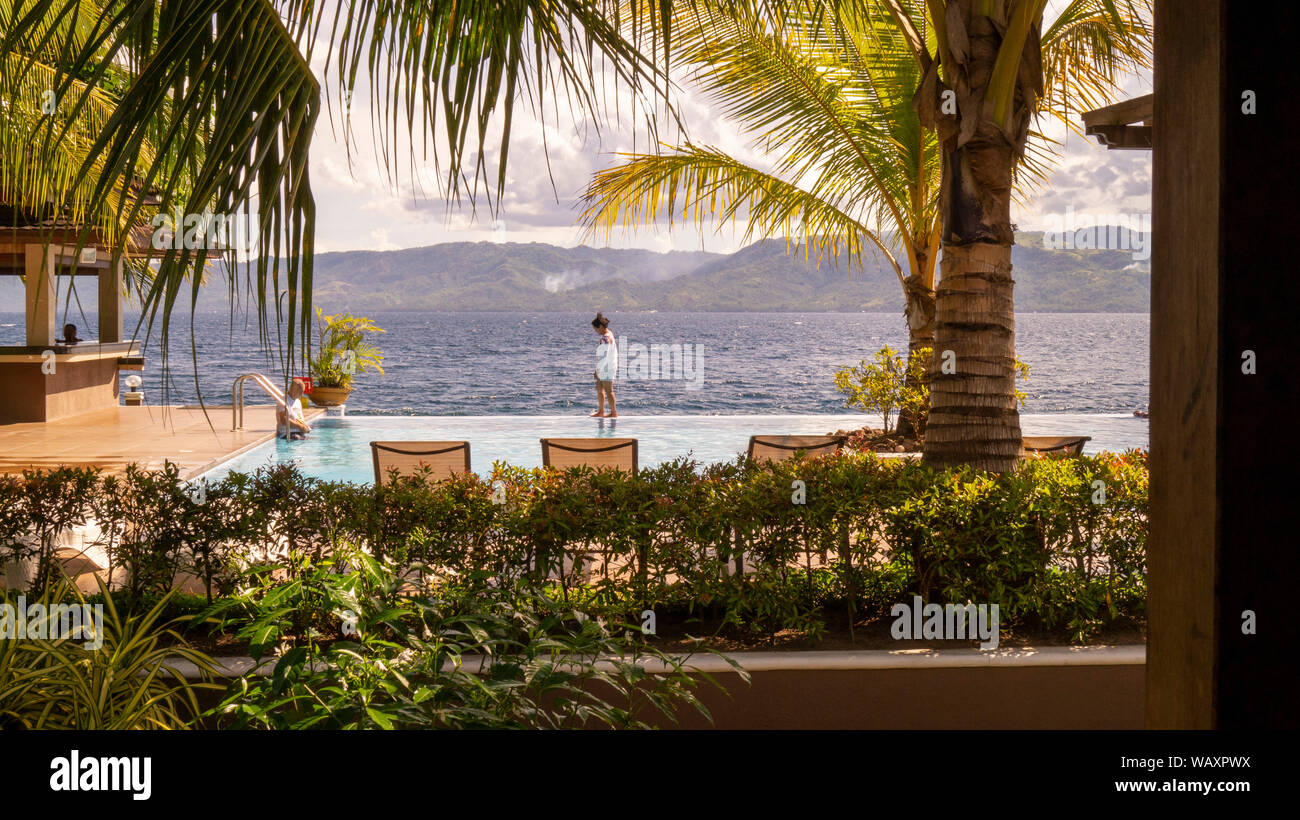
point(765, 276)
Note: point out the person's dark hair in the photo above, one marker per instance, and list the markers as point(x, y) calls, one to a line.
point(601, 321)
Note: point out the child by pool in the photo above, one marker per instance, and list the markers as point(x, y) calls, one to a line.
point(290, 418)
point(606, 366)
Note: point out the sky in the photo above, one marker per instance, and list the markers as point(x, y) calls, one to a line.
point(361, 207)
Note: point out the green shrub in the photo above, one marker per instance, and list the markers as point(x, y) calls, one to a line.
point(43, 505)
point(849, 533)
point(891, 381)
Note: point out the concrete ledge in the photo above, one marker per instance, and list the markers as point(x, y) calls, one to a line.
point(1133, 655)
point(1053, 688)
point(927, 658)
point(824, 661)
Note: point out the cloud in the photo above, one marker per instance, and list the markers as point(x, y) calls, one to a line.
point(380, 242)
point(365, 204)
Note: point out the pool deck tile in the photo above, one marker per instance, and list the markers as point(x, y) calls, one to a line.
point(147, 435)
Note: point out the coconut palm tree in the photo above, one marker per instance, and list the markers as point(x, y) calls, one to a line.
point(991, 72)
point(827, 88)
point(209, 107)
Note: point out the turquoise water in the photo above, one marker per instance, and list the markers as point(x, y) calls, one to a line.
point(338, 449)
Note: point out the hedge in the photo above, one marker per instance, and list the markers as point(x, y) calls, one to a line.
point(1057, 543)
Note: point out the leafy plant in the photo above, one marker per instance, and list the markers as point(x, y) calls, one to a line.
point(151, 519)
point(44, 505)
point(344, 349)
point(887, 383)
point(892, 382)
point(394, 660)
point(128, 682)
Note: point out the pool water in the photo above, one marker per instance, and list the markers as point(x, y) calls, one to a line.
point(338, 449)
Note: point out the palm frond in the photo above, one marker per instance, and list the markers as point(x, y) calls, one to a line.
point(442, 71)
point(702, 185)
point(214, 111)
point(1088, 50)
point(209, 106)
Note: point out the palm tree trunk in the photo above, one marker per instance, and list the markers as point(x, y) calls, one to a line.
point(920, 312)
point(973, 415)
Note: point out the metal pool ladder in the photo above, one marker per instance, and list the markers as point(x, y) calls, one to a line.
point(237, 397)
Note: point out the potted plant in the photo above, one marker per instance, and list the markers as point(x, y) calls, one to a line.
point(344, 352)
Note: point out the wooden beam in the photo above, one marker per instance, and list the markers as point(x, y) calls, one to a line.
point(139, 243)
point(1127, 112)
point(1182, 545)
point(1221, 553)
point(1123, 137)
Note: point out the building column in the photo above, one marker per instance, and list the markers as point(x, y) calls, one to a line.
point(110, 301)
point(40, 267)
point(1222, 629)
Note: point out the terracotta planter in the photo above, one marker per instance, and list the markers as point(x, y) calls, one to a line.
point(329, 396)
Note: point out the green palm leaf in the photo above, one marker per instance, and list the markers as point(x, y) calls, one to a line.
point(209, 106)
point(700, 184)
point(826, 89)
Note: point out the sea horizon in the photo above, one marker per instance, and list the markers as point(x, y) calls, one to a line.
point(534, 363)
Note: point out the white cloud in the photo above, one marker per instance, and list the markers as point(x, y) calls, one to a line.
point(364, 204)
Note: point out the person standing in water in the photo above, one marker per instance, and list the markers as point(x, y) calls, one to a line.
point(606, 367)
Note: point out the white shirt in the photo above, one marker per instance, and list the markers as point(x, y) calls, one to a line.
point(606, 357)
point(293, 412)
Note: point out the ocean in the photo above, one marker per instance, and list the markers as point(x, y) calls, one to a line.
point(450, 364)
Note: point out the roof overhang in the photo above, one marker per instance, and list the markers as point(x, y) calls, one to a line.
point(1123, 126)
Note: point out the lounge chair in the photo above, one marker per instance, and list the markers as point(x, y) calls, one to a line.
point(613, 453)
point(779, 448)
point(408, 457)
point(1054, 446)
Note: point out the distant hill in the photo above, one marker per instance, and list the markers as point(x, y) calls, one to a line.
point(760, 277)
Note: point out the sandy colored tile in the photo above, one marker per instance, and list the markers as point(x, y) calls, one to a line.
point(118, 436)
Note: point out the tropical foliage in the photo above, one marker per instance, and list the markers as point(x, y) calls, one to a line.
point(1040, 540)
point(851, 103)
point(388, 657)
point(891, 382)
point(887, 383)
point(825, 90)
point(119, 674)
point(31, 75)
point(208, 108)
point(344, 349)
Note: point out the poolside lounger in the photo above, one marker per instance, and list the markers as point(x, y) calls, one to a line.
point(1058, 446)
point(615, 453)
point(407, 457)
point(779, 448)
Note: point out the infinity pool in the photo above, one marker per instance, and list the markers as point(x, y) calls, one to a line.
point(338, 449)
